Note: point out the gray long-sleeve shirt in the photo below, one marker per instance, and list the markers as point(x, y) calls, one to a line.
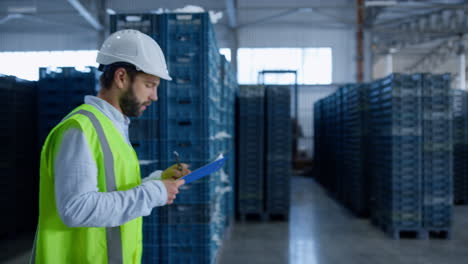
point(78, 201)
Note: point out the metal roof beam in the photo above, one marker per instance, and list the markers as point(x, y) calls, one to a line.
point(231, 9)
point(87, 15)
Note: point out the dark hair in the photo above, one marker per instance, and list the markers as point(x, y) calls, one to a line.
point(108, 72)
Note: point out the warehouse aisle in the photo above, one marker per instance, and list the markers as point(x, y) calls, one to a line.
point(322, 232)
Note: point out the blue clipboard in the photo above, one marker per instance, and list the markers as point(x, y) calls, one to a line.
point(205, 170)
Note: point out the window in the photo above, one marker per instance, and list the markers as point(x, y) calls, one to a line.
point(313, 65)
point(226, 52)
point(25, 65)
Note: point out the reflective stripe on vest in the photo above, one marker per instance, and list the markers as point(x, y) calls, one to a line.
point(113, 235)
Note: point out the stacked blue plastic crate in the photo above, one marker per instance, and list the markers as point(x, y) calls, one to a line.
point(397, 158)
point(437, 154)
point(229, 94)
point(328, 171)
point(318, 123)
point(19, 155)
point(400, 129)
point(250, 181)
point(187, 118)
point(59, 92)
point(460, 146)
point(338, 136)
point(146, 23)
point(191, 112)
point(278, 150)
point(353, 162)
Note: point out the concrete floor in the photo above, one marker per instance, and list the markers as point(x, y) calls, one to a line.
point(320, 231)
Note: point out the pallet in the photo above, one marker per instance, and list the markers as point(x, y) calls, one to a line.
point(263, 217)
point(438, 234)
point(414, 233)
point(460, 202)
point(243, 217)
point(278, 217)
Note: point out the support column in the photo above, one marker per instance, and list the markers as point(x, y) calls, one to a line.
point(368, 57)
point(388, 64)
point(235, 47)
point(360, 41)
point(462, 69)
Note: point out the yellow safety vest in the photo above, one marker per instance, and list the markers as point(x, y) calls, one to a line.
point(118, 170)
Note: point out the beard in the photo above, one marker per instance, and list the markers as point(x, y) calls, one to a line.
point(129, 103)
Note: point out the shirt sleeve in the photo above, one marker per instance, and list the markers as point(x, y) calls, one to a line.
point(80, 204)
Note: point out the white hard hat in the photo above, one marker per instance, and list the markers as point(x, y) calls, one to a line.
point(134, 47)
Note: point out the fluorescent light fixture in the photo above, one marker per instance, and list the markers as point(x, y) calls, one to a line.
point(22, 9)
point(380, 3)
point(110, 11)
point(133, 18)
point(305, 9)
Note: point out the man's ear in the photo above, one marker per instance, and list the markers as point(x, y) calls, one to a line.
point(120, 78)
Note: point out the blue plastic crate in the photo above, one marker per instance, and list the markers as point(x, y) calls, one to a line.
point(190, 128)
point(52, 103)
point(186, 106)
point(203, 253)
point(147, 150)
point(143, 129)
point(194, 151)
point(186, 82)
point(146, 23)
point(185, 234)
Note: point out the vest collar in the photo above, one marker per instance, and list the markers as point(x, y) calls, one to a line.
point(107, 109)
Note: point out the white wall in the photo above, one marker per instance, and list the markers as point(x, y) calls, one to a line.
point(308, 95)
point(342, 42)
point(401, 61)
point(48, 42)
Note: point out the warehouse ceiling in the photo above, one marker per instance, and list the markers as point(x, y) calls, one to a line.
point(425, 27)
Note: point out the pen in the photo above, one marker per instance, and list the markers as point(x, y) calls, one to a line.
point(179, 166)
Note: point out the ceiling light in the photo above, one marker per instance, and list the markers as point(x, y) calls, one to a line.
point(380, 3)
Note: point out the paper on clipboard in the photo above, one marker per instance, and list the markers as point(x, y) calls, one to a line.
point(205, 170)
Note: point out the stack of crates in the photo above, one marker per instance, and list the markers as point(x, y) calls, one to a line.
point(337, 142)
point(19, 159)
point(191, 111)
point(396, 153)
point(327, 177)
point(278, 151)
point(340, 127)
point(386, 149)
point(229, 93)
point(146, 23)
point(329, 142)
point(59, 92)
point(251, 134)
point(354, 144)
point(192, 117)
point(437, 153)
point(335, 135)
point(460, 146)
point(318, 140)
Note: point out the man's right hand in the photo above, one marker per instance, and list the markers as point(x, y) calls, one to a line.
point(172, 188)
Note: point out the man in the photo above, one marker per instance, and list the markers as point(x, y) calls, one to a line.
point(91, 199)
